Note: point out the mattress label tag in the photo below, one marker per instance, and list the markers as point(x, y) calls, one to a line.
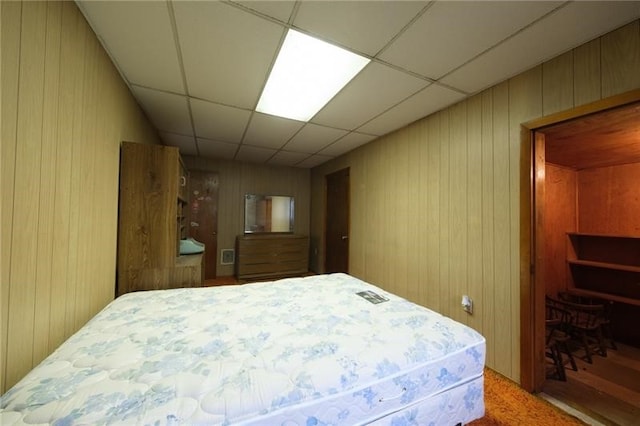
point(372, 297)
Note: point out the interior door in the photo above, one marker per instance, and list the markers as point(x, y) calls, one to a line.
point(203, 216)
point(337, 225)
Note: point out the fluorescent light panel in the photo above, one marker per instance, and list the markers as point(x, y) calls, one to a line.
point(308, 72)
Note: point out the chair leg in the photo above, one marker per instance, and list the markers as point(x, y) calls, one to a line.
point(606, 328)
point(553, 352)
point(603, 345)
point(559, 363)
point(585, 343)
point(565, 348)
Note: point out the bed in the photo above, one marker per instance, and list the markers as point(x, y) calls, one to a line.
point(319, 350)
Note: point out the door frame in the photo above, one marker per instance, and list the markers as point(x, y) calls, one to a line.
point(532, 283)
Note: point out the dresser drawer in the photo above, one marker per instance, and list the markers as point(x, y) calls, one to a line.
point(265, 256)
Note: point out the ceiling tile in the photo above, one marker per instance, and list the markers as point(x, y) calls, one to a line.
point(312, 138)
point(346, 144)
point(314, 160)
point(227, 48)
point(219, 122)
point(364, 26)
point(428, 101)
point(574, 24)
point(254, 154)
point(269, 131)
point(215, 149)
point(377, 88)
point(280, 10)
point(186, 144)
point(226, 52)
point(141, 43)
point(286, 158)
point(167, 111)
point(452, 32)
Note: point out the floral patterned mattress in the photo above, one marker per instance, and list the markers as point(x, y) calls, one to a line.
point(319, 350)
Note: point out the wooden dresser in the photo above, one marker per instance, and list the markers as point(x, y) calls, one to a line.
point(151, 221)
point(271, 255)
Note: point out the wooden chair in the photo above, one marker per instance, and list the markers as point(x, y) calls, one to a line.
point(558, 325)
point(605, 320)
point(586, 327)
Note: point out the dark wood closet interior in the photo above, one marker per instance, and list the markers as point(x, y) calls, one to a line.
point(592, 250)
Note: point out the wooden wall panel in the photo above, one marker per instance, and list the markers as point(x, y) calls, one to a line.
point(620, 59)
point(557, 83)
point(431, 150)
point(47, 182)
point(415, 200)
point(474, 212)
point(586, 73)
point(444, 219)
point(62, 199)
point(488, 282)
point(11, 20)
point(458, 231)
point(65, 111)
point(236, 180)
point(560, 218)
point(399, 233)
point(24, 241)
point(77, 112)
point(609, 200)
point(502, 329)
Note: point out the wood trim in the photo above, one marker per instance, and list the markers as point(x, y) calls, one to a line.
point(532, 209)
point(528, 350)
point(590, 108)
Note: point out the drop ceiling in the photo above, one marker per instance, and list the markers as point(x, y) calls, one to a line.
point(197, 68)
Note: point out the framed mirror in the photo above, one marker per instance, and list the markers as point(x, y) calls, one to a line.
point(268, 213)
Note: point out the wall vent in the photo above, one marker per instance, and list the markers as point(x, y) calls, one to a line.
point(227, 257)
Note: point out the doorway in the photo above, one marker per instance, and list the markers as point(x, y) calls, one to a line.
point(565, 148)
point(337, 222)
point(203, 216)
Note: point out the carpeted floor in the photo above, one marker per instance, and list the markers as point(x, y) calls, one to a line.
point(508, 404)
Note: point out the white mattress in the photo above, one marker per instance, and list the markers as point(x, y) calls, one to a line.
point(302, 351)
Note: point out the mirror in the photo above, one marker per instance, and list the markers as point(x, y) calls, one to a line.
point(268, 213)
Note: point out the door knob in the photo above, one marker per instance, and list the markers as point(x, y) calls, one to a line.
point(345, 237)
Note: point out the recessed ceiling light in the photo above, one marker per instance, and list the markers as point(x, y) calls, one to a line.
point(307, 73)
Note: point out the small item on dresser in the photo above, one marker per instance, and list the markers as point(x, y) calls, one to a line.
point(191, 246)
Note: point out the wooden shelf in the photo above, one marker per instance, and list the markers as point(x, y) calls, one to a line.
point(605, 296)
point(582, 234)
point(604, 265)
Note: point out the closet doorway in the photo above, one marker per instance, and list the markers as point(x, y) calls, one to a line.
point(585, 185)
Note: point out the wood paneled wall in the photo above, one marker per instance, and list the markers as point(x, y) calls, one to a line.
point(560, 217)
point(609, 200)
point(435, 206)
point(237, 179)
point(65, 111)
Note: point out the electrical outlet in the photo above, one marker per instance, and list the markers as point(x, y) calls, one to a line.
point(467, 304)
